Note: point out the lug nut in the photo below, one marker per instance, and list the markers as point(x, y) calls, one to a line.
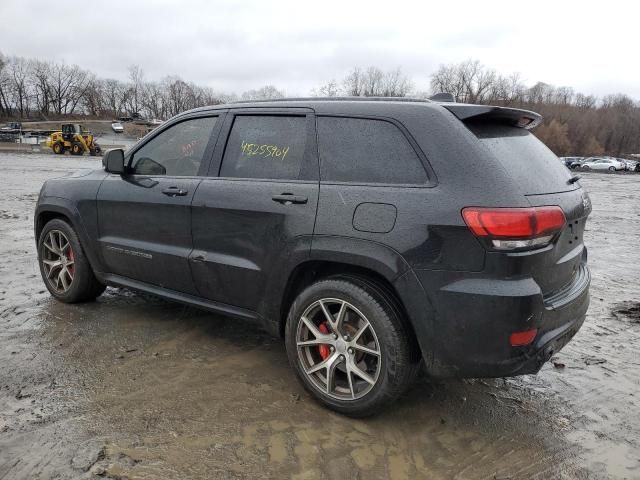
point(335, 336)
point(331, 348)
point(346, 338)
point(350, 351)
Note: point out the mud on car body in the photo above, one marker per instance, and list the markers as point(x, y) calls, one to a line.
point(392, 235)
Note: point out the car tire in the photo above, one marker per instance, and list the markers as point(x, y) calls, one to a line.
point(586, 167)
point(64, 267)
point(612, 169)
point(369, 359)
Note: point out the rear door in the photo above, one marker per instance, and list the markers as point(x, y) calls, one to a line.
point(145, 215)
point(258, 214)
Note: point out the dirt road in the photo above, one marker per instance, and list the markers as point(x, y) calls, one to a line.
point(135, 387)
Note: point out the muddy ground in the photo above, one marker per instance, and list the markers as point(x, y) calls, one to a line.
point(135, 387)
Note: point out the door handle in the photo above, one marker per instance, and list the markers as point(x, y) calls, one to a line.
point(289, 198)
point(175, 192)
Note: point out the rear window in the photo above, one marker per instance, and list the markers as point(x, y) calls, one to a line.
point(359, 150)
point(527, 159)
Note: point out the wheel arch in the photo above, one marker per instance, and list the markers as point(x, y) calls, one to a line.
point(51, 208)
point(312, 271)
point(45, 217)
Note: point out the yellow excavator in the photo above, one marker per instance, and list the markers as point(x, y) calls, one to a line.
point(74, 139)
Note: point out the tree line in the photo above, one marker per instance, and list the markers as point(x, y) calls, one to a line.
point(43, 90)
point(574, 123)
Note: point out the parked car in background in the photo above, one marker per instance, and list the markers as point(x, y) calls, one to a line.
point(629, 165)
point(117, 127)
point(578, 163)
point(12, 126)
point(567, 161)
point(610, 164)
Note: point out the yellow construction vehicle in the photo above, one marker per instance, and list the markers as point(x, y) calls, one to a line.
point(73, 139)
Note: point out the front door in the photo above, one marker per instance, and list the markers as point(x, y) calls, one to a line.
point(144, 215)
point(259, 214)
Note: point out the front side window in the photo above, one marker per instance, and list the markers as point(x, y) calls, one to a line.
point(362, 150)
point(178, 151)
point(265, 146)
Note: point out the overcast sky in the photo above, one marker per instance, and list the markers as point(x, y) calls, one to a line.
point(234, 46)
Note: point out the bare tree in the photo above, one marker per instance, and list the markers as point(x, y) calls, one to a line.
point(19, 73)
point(353, 84)
point(67, 85)
point(329, 89)
point(5, 106)
point(134, 95)
point(396, 84)
point(374, 82)
point(268, 92)
point(114, 95)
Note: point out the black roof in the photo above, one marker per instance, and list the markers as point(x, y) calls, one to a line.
point(361, 105)
point(392, 106)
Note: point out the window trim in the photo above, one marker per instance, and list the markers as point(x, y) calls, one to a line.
point(207, 155)
point(310, 168)
point(431, 180)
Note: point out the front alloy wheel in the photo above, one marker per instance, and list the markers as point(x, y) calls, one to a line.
point(58, 261)
point(64, 266)
point(338, 349)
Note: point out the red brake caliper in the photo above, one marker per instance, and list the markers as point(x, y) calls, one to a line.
point(70, 258)
point(324, 348)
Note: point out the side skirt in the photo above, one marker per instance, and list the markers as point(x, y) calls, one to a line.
point(216, 307)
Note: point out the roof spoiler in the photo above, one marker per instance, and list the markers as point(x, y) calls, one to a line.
point(510, 116)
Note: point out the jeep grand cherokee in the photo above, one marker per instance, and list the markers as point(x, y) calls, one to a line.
point(376, 236)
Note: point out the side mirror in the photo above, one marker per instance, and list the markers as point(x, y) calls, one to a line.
point(113, 161)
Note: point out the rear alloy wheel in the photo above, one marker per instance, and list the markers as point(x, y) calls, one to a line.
point(64, 267)
point(612, 169)
point(586, 167)
point(349, 346)
point(338, 349)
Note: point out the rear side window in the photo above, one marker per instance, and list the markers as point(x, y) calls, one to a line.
point(360, 150)
point(269, 147)
point(527, 159)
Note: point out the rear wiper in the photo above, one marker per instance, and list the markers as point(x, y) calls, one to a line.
point(573, 179)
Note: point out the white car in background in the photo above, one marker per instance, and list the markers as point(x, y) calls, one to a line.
point(610, 164)
point(117, 127)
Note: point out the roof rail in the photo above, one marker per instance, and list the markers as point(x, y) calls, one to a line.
point(323, 99)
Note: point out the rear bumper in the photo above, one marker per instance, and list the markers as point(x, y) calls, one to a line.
point(475, 316)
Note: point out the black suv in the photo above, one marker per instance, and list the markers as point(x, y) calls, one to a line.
point(375, 236)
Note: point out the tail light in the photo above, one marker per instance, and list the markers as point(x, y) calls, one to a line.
point(515, 228)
